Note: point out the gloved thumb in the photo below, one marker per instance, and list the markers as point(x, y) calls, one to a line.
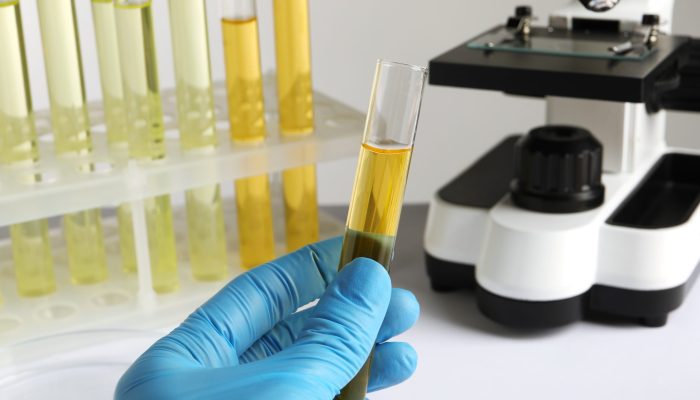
point(338, 336)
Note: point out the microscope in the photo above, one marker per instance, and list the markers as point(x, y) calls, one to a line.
point(592, 215)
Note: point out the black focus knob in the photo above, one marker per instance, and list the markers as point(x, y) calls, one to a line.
point(650, 20)
point(523, 11)
point(558, 170)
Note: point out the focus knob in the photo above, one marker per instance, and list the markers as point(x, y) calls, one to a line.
point(558, 170)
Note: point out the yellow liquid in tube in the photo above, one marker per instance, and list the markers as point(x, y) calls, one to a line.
point(206, 233)
point(110, 71)
point(140, 81)
point(161, 244)
point(126, 238)
point(17, 131)
point(300, 206)
point(69, 119)
point(373, 219)
point(247, 120)
point(293, 52)
point(31, 247)
point(64, 75)
point(296, 117)
point(31, 252)
point(197, 124)
point(146, 134)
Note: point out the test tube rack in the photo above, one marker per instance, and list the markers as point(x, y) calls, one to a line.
point(56, 186)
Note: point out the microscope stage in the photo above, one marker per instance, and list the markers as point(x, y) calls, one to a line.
point(540, 72)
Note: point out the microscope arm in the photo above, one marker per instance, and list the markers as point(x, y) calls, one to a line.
point(685, 96)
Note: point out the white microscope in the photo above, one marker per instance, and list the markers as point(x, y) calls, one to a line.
point(591, 215)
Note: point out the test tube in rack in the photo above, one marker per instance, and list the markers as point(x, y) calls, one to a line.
point(146, 135)
point(114, 111)
point(380, 179)
point(197, 124)
point(71, 132)
point(31, 246)
point(247, 125)
point(296, 117)
point(110, 71)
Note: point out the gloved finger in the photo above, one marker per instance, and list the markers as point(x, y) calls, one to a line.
point(256, 301)
point(400, 316)
point(278, 339)
point(342, 329)
point(393, 363)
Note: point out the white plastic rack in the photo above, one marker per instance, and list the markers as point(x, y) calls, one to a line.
point(56, 186)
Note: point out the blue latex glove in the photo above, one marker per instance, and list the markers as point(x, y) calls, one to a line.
point(247, 342)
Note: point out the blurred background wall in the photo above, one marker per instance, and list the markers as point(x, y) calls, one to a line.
point(456, 125)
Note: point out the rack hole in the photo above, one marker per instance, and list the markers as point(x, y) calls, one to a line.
point(9, 323)
point(110, 299)
point(56, 312)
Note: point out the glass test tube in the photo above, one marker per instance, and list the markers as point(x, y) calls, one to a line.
point(247, 120)
point(380, 179)
point(69, 119)
point(31, 247)
point(114, 111)
point(146, 133)
point(197, 123)
point(296, 117)
point(110, 71)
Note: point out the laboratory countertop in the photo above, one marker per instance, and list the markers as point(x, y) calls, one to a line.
point(463, 355)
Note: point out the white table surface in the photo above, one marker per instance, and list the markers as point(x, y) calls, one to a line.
point(463, 355)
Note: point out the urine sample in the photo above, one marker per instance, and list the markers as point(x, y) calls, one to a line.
point(293, 53)
point(114, 111)
point(31, 247)
point(197, 124)
point(146, 135)
point(64, 76)
point(380, 179)
point(247, 123)
point(69, 120)
point(110, 71)
point(296, 117)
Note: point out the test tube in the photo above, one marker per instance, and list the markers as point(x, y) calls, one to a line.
point(197, 123)
point(146, 135)
point(296, 117)
point(380, 179)
point(31, 247)
point(71, 129)
point(114, 111)
point(110, 71)
point(247, 124)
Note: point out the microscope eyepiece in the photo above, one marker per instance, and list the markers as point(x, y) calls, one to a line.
point(599, 5)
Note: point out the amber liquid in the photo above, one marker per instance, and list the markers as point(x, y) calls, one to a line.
point(293, 52)
point(300, 206)
point(247, 120)
point(296, 117)
point(373, 219)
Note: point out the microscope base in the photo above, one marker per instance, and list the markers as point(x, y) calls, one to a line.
point(600, 303)
point(647, 258)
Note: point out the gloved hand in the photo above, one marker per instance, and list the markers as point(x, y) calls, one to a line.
point(248, 343)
